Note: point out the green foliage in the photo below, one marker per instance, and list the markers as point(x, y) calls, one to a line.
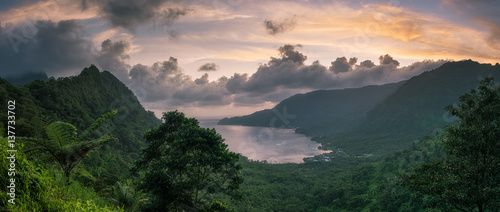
point(414, 110)
point(343, 184)
point(217, 206)
point(127, 196)
point(184, 165)
point(67, 148)
point(80, 100)
point(29, 117)
point(376, 119)
point(468, 179)
point(39, 188)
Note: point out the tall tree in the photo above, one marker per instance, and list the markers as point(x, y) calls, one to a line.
point(468, 180)
point(67, 147)
point(185, 165)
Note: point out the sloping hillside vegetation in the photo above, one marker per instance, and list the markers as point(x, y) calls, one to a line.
point(415, 109)
point(319, 112)
point(375, 119)
point(80, 100)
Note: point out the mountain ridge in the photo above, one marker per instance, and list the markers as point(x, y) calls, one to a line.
point(321, 106)
point(79, 100)
point(414, 109)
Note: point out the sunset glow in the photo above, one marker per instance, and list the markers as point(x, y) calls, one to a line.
point(157, 49)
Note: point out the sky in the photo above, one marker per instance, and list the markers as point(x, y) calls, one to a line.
point(220, 58)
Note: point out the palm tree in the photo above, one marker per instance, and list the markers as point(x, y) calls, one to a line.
point(67, 147)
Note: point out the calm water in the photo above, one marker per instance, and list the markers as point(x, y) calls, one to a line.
point(261, 143)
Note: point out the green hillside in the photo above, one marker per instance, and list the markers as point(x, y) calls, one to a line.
point(80, 100)
point(415, 109)
point(375, 119)
point(319, 112)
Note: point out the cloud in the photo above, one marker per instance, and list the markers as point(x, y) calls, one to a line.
point(371, 74)
point(61, 49)
point(281, 77)
point(165, 81)
point(367, 64)
point(169, 16)
point(281, 74)
point(287, 74)
point(58, 49)
point(274, 27)
point(341, 65)
point(388, 60)
point(112, 57)
point(44, 46)
point(353, 61)
point(203, 80)
point(288, 53)
point(208, 67)
point(130, 14)
point(235, 83)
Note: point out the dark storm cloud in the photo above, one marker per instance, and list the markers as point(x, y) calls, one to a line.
point(58, 49)
point(234, 83)
point(281, 74)
point(169, 16)
point(341, 65)
point(287, 74)
point(388, 60)
point(165, 81)
point(130, 14)
point(202, 80)
point(274, 27)
point(208, 67)
point(61, 49)
point(44, 46)
point(112, 57)
point(367, 64)
point(288, 53)
point(353, 61)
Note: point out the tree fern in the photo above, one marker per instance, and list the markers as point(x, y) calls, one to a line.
point(67, 147)
point(60, 133)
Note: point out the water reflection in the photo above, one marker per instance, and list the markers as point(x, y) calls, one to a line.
point(270, 144)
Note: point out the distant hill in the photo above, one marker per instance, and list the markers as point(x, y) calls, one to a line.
point(379, 119)
point(414, 110)
point(319, 112)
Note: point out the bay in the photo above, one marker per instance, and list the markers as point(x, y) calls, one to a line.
point(262, 143)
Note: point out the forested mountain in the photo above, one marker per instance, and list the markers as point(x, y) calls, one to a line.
point(319, 112)
point(80, 100)
point(414, 110)
point(396, 114)
point(418, 105)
